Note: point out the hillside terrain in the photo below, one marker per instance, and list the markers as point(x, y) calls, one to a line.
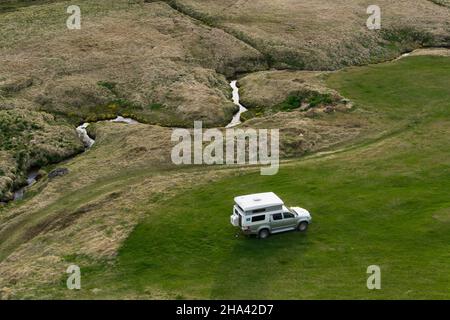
point(322, 34)
point(363, 138)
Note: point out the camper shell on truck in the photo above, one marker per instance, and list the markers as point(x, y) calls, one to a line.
point(265, 213)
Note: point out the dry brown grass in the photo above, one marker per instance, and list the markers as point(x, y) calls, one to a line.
point(151, 54)
point(28, 139)
point(268, 88)
point(324, 34)
point(148, 61)
point(442, 2)
point(302, 134)
point(442, 52)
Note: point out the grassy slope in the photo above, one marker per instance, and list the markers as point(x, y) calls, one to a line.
point(31, 139)
point(442, 2)
point(336, 37)
point(12, 5)
point(385, 204)
point(128, 59)
point(88, 213)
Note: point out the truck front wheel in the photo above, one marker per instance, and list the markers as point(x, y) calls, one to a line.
point(302, 226)
point(263, 234)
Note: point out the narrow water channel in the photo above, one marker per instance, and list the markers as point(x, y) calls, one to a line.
point(31, 179)
point(82, 133)
point(236, 100)
point(88, 143)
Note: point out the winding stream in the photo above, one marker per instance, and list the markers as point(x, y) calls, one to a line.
point(237, 117)
point(82, 133)
point(121, 119)
point(88, 143)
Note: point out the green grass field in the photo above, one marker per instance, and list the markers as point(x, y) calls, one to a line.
point(384, 202)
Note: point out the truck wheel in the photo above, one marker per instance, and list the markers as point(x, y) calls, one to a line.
point(263, 234)
point(302, 226)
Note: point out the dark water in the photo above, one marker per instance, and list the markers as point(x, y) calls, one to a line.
point(31, 179)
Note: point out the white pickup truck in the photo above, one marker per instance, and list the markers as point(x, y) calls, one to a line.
point(263, 214)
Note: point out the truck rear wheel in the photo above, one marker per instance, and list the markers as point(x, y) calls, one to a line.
point(263, 234)
point(302, 226)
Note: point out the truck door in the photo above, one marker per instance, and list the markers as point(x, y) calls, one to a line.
point(289, 219)
point(276, 221)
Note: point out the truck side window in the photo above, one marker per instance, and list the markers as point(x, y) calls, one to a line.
point(288, 215)
point(258, 218)
point(277, 216)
